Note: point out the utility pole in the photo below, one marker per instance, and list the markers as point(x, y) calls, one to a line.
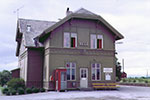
point(123, 64)
point(147, 73)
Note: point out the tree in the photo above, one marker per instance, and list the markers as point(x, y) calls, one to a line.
point(118, 71)
point(5, 76)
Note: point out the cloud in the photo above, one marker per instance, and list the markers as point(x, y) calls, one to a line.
point(9, 66)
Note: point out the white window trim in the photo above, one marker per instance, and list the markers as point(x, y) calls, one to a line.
point(65, 45)
point(86, 72)
point(98, 36)
point(28, 28)
point(70, 63)
point(96, 73)
point(70, 35)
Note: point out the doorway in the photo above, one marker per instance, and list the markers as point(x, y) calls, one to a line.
point(83, 77)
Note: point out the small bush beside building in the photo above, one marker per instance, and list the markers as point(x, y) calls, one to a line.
point(16, 86)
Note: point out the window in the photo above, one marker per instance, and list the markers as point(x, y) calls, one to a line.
point(96, 41)
point(73, 40)
point(70, 40)
point(96, 71)
point(28, 28)
point(71, 71)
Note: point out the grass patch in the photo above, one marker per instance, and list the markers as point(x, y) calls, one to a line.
point(1, 88)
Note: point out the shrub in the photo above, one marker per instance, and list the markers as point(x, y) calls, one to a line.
point(146, 81)
point(129, 80)
point(5, 90)
point(35, 90)
point(42, 90)
point(13, 91)
point(16, 83)
point(8, 93)
point(134, 80)
point(124, 80)
point(28, 90)
point(20, 91)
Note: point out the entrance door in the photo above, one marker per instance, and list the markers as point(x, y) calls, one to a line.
point(83, 77)
point(63, 81)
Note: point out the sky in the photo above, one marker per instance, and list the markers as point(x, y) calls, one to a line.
point(130, 17)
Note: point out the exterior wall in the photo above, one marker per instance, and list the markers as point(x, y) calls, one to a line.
point(56, 55)
point(83, 28)
point(35, 67)
point(15, 73)
point(22, 59)
point(83, 59)
point(46, 66)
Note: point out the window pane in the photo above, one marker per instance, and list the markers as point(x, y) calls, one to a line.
point(73, 74)
point(99, 36)
point(99, 43)
point(66, 40)
point(68, 74)
point(73, 64)
point(82, 73)
point(93, 65)
point(72, 42)
point(98, 74)
point(98, 66)
point(93, 41)
point(85, 73)
point(74, 36)
point(93, 74)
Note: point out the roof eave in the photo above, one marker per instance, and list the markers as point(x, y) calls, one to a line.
point(82, 16)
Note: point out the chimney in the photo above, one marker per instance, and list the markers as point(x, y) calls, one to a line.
point(68, 12)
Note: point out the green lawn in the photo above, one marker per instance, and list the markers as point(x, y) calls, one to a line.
point(1, 88)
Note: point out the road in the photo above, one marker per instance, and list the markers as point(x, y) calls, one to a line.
point(123, 93)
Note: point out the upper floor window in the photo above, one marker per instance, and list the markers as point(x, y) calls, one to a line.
point(28, 28)
point(70, 40)
point(71, 70)
point(96, 41)
point(96, 71)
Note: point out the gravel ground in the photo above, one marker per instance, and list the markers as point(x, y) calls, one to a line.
point(123, 93)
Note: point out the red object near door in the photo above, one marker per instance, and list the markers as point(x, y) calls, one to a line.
point(60, 77)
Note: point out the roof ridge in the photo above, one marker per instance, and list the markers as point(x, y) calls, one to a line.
point(85, 11)
point(36, 20)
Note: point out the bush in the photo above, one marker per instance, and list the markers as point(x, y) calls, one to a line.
point(16, 83)
point(35, 90)
point(134, 80)
point(8, 93)
point(13, 91)
point(20, 91)
point(42, 90)
point(129, 80)
point(5, 90)
point(146, 81)
point(124, 80)
point(28, 90)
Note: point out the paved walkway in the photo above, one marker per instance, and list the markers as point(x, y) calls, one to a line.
point(124, 93)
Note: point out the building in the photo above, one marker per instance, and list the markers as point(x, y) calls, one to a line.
point(82, 44)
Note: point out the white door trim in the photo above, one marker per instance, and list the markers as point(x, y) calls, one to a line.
point(84, 82)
